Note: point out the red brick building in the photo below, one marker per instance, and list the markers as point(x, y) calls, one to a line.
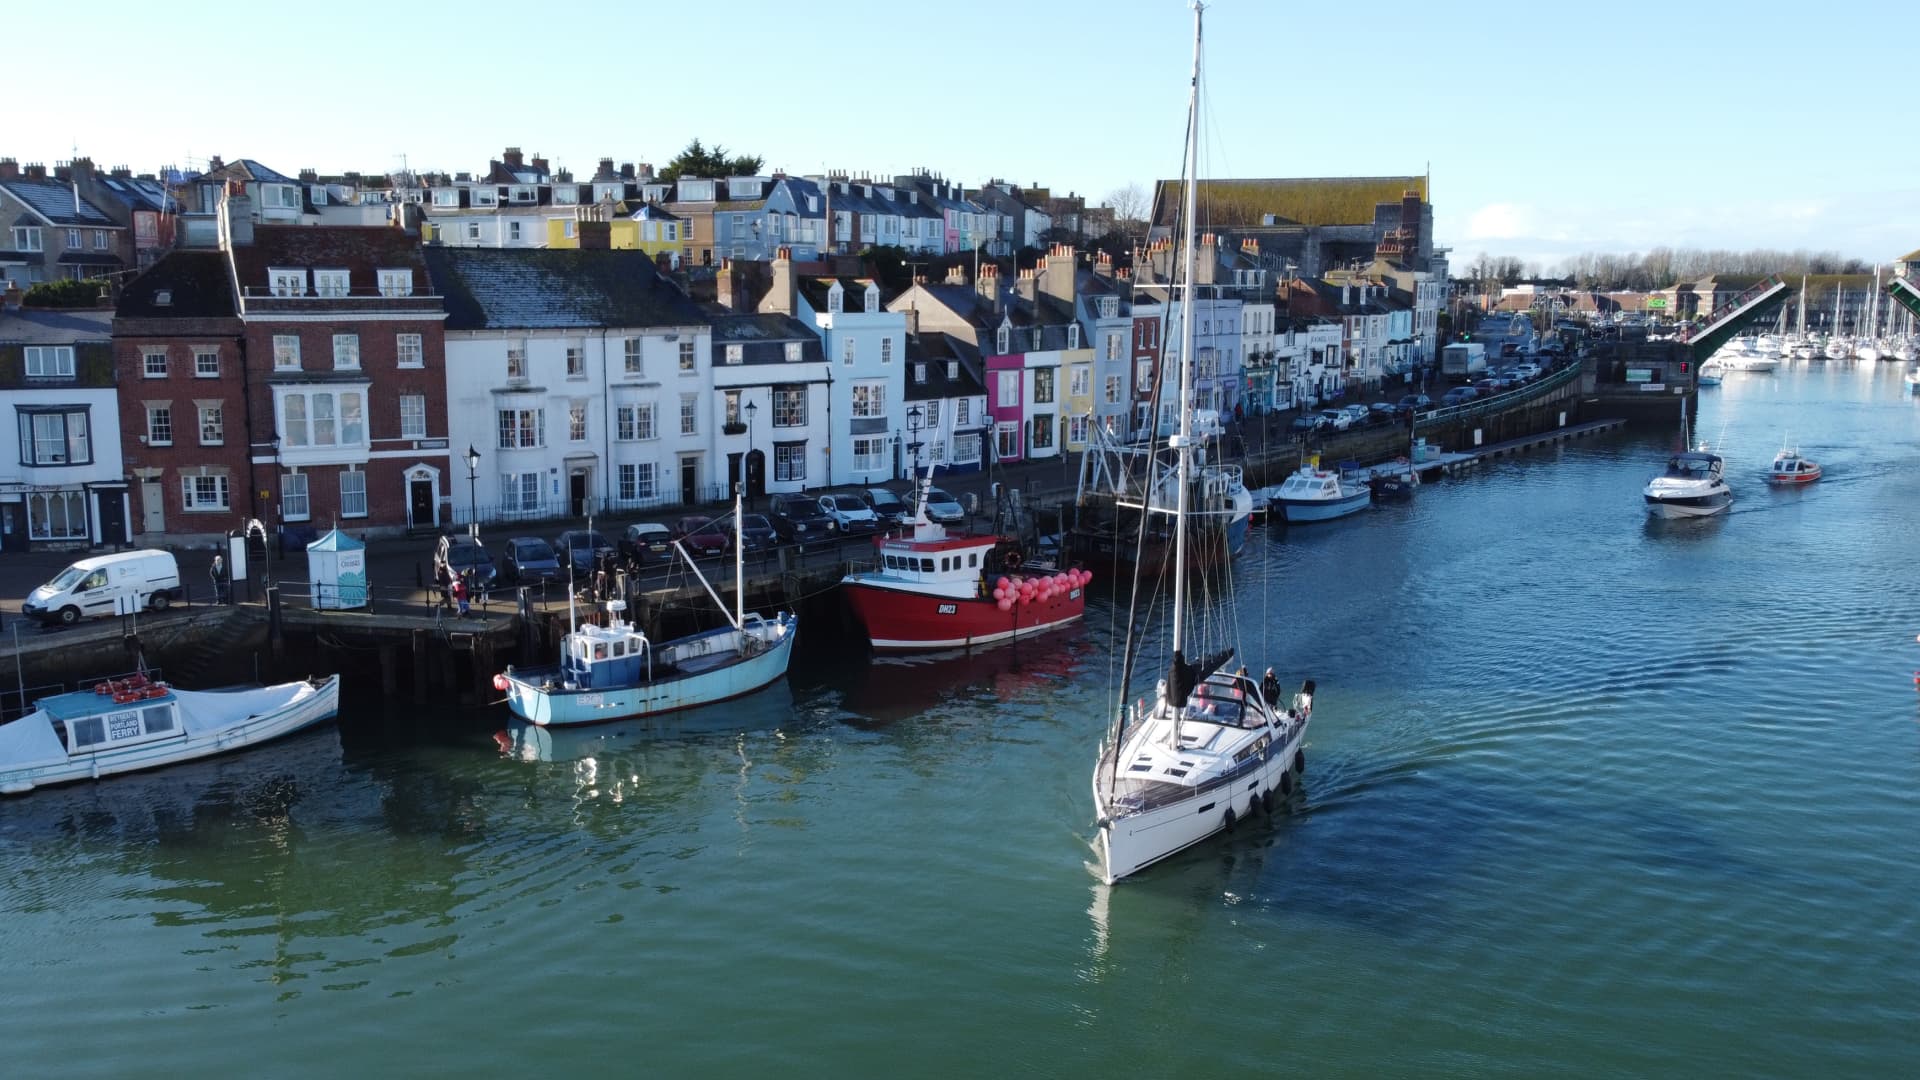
point(345, 374)
point(180, 366)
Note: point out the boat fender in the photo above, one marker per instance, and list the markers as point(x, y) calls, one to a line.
point(1266, 798)
point(500, 683)
point(1286, 784)
point(1227, 823)
point(1299, 761)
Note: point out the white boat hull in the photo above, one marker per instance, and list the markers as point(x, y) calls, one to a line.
point(1693, 506)
point(1296, 511)
point(1132, 842)
point(286, 709)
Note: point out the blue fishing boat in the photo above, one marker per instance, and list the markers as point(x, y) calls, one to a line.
point(612, 671)
point(1316, 494)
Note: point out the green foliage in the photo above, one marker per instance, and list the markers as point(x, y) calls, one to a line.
point(698, 161)
point(67, 293)
point(888, 265)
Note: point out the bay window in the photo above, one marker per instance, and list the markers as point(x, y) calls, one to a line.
point(522, 428)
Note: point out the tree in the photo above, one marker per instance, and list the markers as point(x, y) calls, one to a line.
point(888, 265)
point(1129, 206)
point(698, 161)
point(65, 293)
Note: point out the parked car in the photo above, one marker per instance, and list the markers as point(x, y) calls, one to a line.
point(850, 513)
point(646, 543)
point(944, 508)
point(703, 536)
point(106, 585)
point(580, 549)
point(1413, 403)
point(798, 519)
point(1528, 371)
point(1383, 410)
point(1459, 395)
point(1357, 415)
point(891, 508)
point(757, 533)
point(1312, 421)
point(1337, 419)
point(529, 558)
point(459, 556)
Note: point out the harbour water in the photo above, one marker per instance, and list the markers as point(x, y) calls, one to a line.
point(1586, 794)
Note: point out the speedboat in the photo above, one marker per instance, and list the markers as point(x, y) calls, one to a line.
point(1913, 381)
point(1316, 494)
point(1790, 468)
point(135, 722)
point(1711, 373)
point(1694, 485)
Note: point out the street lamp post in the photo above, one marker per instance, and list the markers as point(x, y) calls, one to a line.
point(746, 460)
point(473, 499)
point(915, 419)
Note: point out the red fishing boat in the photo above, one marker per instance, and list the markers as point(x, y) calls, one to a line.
point(936, 590)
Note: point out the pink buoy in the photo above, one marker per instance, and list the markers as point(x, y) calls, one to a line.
point(1003, 604)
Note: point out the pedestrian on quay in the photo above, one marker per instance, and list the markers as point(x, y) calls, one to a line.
point(218, 572)
point(459, 588)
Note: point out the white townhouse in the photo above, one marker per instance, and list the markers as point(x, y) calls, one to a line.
point(770, 403)
point(582, 378)
point(66, 488)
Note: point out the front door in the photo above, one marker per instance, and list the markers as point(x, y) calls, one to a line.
point(733, 475)
point(13, 527)
point(421, 504)
point(153, 508)
point(689, 481)
point(112, 514)
point(577, 493)
point(756, 474)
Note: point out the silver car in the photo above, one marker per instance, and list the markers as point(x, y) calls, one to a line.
point(944, 508)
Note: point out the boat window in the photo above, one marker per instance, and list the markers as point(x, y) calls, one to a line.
point(89, 731)
point(973, 560)
point(926, 566)
point(599, 650)
point(619, 649)
point(945, 563)
point(157, 718)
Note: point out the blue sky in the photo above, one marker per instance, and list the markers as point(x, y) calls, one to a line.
point(1549, 129)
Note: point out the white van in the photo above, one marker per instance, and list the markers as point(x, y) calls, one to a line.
point(107, 585)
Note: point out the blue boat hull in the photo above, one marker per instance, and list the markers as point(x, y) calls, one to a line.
point(533, 696)
point(1295, 511)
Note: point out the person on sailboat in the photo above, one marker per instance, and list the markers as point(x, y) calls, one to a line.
point(1270, 688)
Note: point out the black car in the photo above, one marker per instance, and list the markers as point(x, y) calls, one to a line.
point(798, 519)
point(647, 543)
point(580, 549)
point(530, 559)
point(757, 533)
point(892, 509)
point(1413, 403)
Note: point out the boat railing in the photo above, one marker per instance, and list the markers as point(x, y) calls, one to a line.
point(17, 703)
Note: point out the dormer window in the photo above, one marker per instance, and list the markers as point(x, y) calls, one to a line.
point(872, 301)
point(288, 282)
point(1002, 339)
point(953, 369)
point(743, 189)
point(734, 354)
point(523, 194)
point(330, 282)
point(446, 197)
point(396, 283)
point(793, 351)
point(1073, 335)
point(1036, 339)
point(813, 204)
point(485, 196)
point(566, 195)
point(836, 299)
point(920, 373)
point(607, 192)
point(280, 196)
point(1109, 306)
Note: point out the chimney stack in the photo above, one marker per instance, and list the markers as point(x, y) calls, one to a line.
point(511, 156)
point(214, 164)
point(36, 171)
point(987, 286)
point(780, 294)
point(540, 165)
point(12, 297)
point(626, 171)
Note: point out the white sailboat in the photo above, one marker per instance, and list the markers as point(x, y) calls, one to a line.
point(1211, 748)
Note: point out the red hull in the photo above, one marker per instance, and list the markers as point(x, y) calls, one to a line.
point(901, 621)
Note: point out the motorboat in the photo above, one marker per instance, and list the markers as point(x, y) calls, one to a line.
point(1693, 485)
point(1312, 493)
point(1913, 381)
point(1393, 482)
point(1789, 469)
point(933, 590)
point(610, 670)
point(133, 722)
point(1210, 748)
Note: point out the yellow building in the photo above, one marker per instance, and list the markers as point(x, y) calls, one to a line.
point(1076, 366)
point(646, 227)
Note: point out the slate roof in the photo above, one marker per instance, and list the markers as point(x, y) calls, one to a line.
point(935, 350)
point(763, 338)
point(853, 293)
point(196, 281)
point(54, 201)
point(39, 326)
point(539, 288)
point(1337, 200)
point(138, 193)
point(249, 169)
point(358, 249)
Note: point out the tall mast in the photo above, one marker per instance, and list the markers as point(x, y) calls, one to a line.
point(1183, 443)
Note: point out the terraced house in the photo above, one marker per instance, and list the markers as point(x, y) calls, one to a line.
point(52, 233)
point(64, 489)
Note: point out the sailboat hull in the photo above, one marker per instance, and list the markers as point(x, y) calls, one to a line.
point(1131, 842)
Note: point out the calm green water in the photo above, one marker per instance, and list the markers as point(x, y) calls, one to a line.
point(1585, 796)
